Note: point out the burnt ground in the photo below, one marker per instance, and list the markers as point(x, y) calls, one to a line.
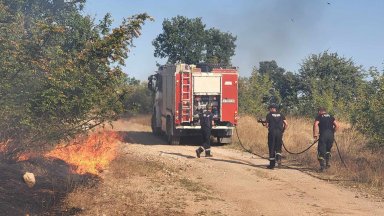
point(53, 182)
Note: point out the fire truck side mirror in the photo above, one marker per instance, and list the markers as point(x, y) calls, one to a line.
point(154, 82)
point(150, 83)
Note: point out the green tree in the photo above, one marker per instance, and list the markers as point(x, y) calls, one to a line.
point(286, 83)
point(256, 93)
point(139, 100)
point(368, 113)
point(329, 80)
point(220, 46)
point(60, 73)
point(186, 40)
point(182, 40)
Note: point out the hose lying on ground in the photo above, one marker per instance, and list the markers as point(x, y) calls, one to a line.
point(295, 153)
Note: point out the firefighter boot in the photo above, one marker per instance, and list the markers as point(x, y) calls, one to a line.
point(322, 164)
point(271, 164)
point(208, 153)
point(278, 159)
point(327, 159)
point(199, 151)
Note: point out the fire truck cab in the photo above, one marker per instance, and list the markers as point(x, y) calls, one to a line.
point(182, 91)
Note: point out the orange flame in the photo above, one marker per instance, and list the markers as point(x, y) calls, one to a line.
point(25, 156)
point(91, 155)
point(4, 146)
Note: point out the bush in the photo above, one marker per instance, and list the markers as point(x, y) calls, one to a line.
point(139, 100)
point(368, 115)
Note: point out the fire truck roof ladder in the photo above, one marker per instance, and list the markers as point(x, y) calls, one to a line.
point(185, 96)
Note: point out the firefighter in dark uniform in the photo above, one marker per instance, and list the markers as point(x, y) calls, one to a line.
point(325, 125)
point(206, 123)
point(276, 124)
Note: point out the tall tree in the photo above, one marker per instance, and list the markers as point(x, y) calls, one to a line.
point(284, 82)
point(186, 40)
point(220, 46)
point(328, 79)
point(256, 93)
point(60, 73)
point(182, 40)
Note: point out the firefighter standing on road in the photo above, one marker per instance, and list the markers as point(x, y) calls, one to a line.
point(327, 126)
point(206, 122)
point(276, 124)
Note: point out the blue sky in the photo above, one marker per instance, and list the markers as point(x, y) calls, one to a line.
point(287, 31)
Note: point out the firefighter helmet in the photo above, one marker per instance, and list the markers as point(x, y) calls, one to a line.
point(272, 106)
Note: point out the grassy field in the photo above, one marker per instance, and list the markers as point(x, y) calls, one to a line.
point(364, 165)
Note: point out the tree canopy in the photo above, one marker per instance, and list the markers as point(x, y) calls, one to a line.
point(285, 83)
point(60, 72)
point(256, 93)
point(329, 80)
point(220, 46)
point(186, 40)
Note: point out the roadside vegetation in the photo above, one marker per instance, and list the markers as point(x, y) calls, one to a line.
point(61, 76)
point(61, 73)
point(349, 92)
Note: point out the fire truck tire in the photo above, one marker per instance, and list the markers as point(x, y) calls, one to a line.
point(171, 138)
point(175, 140)
point(155, 130)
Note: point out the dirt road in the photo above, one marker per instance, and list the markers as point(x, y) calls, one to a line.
point(168, 180)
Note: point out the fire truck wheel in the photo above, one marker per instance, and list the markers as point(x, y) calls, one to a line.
point(155, 130)
point(175, 140)
point(171, 138)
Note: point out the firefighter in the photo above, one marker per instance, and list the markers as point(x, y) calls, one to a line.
point(276, 124)
point(206, 122)
point(324, 128)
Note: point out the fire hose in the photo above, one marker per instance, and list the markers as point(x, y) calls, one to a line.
point(297, 153)
point(338, 151)
point(337, 147)
point(249, 151)
point(294, 153)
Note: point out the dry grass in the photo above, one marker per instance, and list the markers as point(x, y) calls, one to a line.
point(142, 119)
point(133, 186)
point(364, 166)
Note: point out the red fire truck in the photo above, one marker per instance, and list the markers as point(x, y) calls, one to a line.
point(182, 91)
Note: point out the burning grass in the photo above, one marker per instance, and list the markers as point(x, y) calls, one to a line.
point(91, 154)
point(57, 172)
point(364, 165)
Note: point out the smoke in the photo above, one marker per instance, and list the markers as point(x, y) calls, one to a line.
point(276, 30)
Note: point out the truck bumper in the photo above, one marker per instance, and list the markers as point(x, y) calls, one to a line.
point(199, 127)
point(217, 131)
